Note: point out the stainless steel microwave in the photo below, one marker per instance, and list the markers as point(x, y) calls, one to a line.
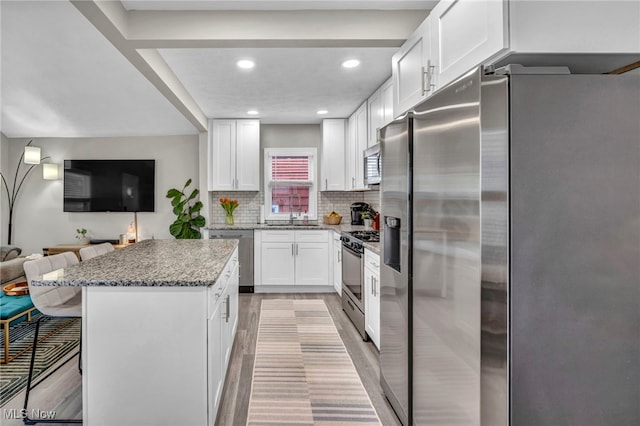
point(372, 165)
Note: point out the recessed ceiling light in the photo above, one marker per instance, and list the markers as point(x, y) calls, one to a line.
point(245, 64)
point(252, 112)
point(350, 63)
point(323, 112)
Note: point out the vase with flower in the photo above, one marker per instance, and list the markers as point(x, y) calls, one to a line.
point(229, 206)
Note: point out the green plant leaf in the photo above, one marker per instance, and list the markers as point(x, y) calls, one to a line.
point(176, 200)
point(172, 193)
point(177, 210)
point(188, 183)
point(198, 221)
point(193, 195)
point(176, 228)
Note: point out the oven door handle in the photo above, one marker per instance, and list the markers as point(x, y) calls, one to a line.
point(355, 253)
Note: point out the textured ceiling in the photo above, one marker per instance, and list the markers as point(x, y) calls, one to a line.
point(61, 77)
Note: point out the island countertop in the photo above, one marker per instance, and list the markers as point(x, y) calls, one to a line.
point(150, 263)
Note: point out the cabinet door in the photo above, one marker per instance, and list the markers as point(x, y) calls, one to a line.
point(469, 33)
point(229, 318)
point(409, 68)
point(222, 155)
point(386, 92)
point(361, 144)
point(352, 148)
point(247, 155)
point(312, 264)
point(372, 295)
point(372, 305)
point(215, 357)
point(277, 263)
point(337, 265)
point(333, 155)
point(376, 115)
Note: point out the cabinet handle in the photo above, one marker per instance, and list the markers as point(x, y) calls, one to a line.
point(296, 249)
point(326, 184)
point(375, 286)
point(430, 70)
point(353, 182)
point(292, 250)
point(228, 308)
point(340, 256)
point(423, 77)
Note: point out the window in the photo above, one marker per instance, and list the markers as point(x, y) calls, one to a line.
point(290, 182)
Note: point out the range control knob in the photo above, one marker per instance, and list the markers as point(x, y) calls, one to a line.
point(344, 239)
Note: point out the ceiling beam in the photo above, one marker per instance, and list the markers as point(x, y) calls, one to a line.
point(288, 28)
point(111, 19)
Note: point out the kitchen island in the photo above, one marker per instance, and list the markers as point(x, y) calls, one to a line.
point(159, 319)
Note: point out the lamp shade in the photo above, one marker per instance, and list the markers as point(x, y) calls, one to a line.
point(31, 155)
point(50, 172)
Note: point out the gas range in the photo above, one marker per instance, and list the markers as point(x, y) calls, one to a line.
point(369, 236)
point(354, 239)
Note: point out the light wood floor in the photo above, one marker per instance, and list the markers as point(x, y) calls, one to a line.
point(62, 391)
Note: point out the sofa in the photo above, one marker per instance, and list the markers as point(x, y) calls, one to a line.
point(11, 262)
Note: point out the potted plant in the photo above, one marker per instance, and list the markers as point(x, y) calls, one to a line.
point(81, 236)
point(366, 218)
point(187, 211)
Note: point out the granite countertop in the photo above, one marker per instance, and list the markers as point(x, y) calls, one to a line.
point(343, 227)
point(150, 263)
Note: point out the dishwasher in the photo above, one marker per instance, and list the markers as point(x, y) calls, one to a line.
point(245, 253)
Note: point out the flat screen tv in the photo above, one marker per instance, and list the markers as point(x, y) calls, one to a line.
point(109, 185)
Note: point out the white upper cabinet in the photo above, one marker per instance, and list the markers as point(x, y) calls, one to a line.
point(386, 91)
point(234, 155)
point(380, 110)
point(356, 144)
point(464, 34)
point(376, 113)
point(410, 66)
point(334, 133)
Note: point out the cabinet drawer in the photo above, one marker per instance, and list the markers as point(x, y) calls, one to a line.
point(304, 236)
point(371, 260)
point(279, 236)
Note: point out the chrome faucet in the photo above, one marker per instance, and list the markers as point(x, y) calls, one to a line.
point(290, 218)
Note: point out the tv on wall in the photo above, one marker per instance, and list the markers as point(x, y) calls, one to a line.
point(109, 185)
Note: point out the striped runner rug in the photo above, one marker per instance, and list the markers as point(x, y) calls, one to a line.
point(303, 374)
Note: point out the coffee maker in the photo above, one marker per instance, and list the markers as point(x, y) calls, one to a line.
point(356, 212)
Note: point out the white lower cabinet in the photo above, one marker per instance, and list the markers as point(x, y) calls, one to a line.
point(222, 325)
point(372, 296)
point(337, 263)
point(292, 258)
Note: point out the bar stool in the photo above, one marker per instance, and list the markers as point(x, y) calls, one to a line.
point(92, 251)
point(51, 301)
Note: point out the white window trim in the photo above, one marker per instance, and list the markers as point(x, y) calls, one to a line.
point(312, 153)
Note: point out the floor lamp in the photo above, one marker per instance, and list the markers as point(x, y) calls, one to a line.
point(31, 157)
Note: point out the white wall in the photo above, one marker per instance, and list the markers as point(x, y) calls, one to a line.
point(38, 217)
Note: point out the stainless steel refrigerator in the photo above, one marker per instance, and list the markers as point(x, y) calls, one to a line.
point(510, 281)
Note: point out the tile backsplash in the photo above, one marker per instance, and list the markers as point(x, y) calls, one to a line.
point(248, 210)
